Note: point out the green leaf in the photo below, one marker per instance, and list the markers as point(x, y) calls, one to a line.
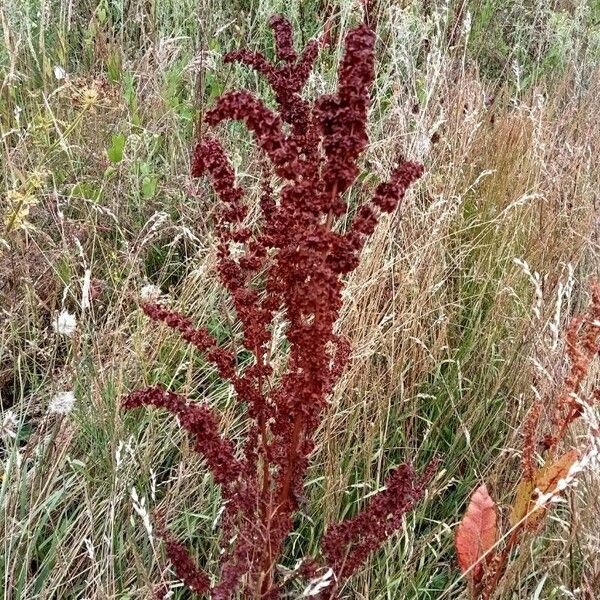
point(87, 190)
point(149, 185)
point(114, 66)
point(115, 150)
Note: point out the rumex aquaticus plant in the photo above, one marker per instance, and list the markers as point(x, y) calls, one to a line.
point(291, 267)
point(484, 550)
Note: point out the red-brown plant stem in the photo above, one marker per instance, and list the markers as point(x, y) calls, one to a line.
point(266, 495)
point(298, 431)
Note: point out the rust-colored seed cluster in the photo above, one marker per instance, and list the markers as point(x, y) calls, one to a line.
point(292, 263)
point(348, 544)
point(583, 343)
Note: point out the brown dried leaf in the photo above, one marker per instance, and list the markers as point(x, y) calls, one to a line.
point(477, 532)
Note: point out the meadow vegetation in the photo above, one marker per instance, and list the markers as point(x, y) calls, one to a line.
point(456, 314)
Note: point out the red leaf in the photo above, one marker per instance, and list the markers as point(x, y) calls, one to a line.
point(477, 532)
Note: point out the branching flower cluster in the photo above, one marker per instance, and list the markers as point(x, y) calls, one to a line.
point(292, 263)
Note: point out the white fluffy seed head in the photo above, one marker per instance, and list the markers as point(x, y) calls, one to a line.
point(62, 403)
point(8, 425)
point(59, 73)
point(150, 293)
point(65, 323)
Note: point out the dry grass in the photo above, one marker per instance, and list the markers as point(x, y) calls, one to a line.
point(439, 314)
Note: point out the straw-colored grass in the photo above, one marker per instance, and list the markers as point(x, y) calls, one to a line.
point(500, 100)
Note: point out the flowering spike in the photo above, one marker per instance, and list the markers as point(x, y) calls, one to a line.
point(348, 544)
point(264, 124)
point(583, 344)
point(306, 62)
point(389, 194)
point(343, 116)
point(223, 359)
point(200, 422)
point(237, 564)
point(284, 275)
point(284, 38)
point(255, 60)
point(209, 157)
point(184, 566)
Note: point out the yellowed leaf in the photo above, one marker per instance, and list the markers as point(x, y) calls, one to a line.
point(550, 474)
point(546, 481)
point(521, 504)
